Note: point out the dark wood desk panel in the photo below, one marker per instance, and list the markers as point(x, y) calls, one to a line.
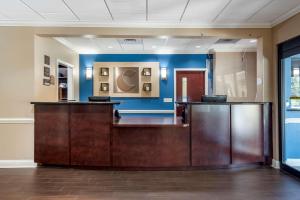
point(51, 138)
point(210, 133)
point(247, 133)
point(90, 127)
point(151, 147)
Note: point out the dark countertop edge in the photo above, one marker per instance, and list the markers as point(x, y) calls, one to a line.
point(74, 102)
point(219, 103)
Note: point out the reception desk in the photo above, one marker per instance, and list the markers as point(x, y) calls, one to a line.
point(212, 136)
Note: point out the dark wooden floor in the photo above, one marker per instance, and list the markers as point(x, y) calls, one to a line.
point(71, 184)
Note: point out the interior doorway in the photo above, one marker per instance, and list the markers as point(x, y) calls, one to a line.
point(190, 85)
point(65, 81)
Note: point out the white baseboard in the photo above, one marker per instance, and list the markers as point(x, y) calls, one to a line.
point(17, 164)
point(16, 120)
point(275, 164)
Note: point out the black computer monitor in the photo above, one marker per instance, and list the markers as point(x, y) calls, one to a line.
point(99, 99)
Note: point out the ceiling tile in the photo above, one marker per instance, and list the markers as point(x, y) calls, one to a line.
point(236, 11)
point(274, 10)
point(128, 10)
point(16, 10)
point(167, 10)
point(203, 11)
point(154, 43)
point(94, 10)
point(54, 10)
point(108, 44)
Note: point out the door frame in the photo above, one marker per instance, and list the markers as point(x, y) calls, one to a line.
point(59, 61)
point(282, 48)
point(192, 70)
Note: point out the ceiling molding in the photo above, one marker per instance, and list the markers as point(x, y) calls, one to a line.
point(286, 16)
point(129, 25)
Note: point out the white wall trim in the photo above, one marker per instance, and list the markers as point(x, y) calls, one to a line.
point(275, 164)
point(286, 16)
point(17, 164)
point(190, 69)
point(16, 120)
point(147, 111)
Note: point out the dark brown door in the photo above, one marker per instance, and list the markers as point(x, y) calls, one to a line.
point(195, 84)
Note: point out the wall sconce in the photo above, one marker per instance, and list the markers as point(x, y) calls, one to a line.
point(163, 73)
point(88, 73)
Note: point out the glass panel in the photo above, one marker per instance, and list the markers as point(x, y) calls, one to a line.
point(291, 111)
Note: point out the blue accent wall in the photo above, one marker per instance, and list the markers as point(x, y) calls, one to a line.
point(170, 61)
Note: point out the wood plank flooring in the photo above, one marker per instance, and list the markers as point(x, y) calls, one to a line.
point(74, 184)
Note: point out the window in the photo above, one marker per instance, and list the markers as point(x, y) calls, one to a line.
point(295, 83)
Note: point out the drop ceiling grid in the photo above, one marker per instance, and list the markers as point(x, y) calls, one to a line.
point(54, 10)
point(148, 12)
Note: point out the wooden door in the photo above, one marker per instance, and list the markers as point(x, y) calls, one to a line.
point(195, 84)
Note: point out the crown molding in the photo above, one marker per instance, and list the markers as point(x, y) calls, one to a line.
point(286, 16)
point(131, 25)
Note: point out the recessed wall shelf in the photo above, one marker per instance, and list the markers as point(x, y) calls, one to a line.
point(104, 71)
point(147, 87)
point(104, 87)
point(146, 72)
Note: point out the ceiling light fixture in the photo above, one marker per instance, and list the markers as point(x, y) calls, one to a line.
point(253, 41)
point(154, 47)
point(89, 36)
point(163, 37)
point(198, 46)
point(110, 47)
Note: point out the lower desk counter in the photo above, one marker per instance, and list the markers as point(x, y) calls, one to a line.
point(215, 135)
point(151, 142)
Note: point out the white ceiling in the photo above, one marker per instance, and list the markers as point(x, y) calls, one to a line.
point(164, 45)
point(147, 13)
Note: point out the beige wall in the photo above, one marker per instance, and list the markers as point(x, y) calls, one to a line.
point(235, 75)
point(281, 33)
point(56, 51)
point(17, 72)
point(16, 90)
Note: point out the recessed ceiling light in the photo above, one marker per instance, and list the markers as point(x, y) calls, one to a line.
point(89, 36)
point(253, 41)
point(110, 47)
point(198, 46)
point(163, 37)
point(154, 47)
